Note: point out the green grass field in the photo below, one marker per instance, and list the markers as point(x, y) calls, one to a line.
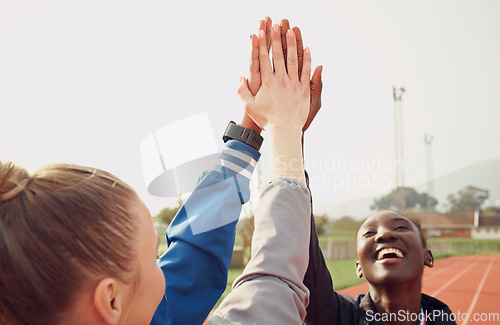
point(343, 274)
point(339, 235)
point(344, 271)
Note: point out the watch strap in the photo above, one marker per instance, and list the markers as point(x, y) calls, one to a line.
point(245, 135)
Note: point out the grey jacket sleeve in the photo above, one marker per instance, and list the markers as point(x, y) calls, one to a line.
point(270, 290)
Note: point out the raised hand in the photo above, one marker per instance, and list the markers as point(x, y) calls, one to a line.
point(254, 81)
point(282, 98)
point(282, 102)
point(316, 82)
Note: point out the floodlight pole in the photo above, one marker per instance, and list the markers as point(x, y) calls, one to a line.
point(430, 183)
point(398, 141)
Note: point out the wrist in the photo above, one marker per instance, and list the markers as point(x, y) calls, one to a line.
point(285, 129)
point(252, 126)
point(248, 123)
point(286, 151)
point(245, 135)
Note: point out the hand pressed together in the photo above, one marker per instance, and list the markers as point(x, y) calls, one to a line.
point(254, 80)
point(284, 97)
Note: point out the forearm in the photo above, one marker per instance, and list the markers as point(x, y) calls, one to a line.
point(270, 290)
point(286, 147)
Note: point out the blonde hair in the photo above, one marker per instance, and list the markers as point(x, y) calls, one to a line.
point(60, 228)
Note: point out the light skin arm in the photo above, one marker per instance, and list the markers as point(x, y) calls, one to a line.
point(282, 102)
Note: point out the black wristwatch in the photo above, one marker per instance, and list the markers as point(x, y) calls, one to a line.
point(245, 135)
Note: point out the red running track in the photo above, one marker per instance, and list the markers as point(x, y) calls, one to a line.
point(467, 284)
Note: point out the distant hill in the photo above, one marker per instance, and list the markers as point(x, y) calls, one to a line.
point(484, 174)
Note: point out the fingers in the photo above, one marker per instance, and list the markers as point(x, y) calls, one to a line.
point(264, 63)
point(316, 83)
point(266, 24)
point(277, 51)
point(254, 81)
point(262, 25)
point(285, 26)
point(300, 47)
point(292, 62)
point(316, 88)
point(306, 68)
point(269, 25)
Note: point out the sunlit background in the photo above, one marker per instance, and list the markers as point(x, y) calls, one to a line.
point(87, 81)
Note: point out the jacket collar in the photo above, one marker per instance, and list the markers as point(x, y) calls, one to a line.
point(366, 303)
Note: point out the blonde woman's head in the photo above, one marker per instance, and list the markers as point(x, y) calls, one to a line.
point(75, 243)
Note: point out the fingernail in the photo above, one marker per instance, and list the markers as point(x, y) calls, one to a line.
point(262, 34)
point(290, 33)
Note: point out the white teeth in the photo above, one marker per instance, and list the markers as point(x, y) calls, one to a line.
point(390, 250)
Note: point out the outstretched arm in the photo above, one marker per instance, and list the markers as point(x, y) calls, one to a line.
point(282, 100)
point(200, 239)
point(270, 290)
point(317, 278)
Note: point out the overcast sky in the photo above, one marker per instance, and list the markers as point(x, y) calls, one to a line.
point(87, 81)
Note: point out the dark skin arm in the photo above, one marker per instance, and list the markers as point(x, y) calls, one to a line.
point(317, 278)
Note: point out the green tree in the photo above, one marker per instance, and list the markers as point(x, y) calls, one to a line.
point(246, 226)
point(491, 210)
point(403, 198)
point(321, 222)
point(469, 198)
point(165, 215)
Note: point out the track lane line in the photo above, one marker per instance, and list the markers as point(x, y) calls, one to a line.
point(478, 291)
point(432, 272)
point(456, 277)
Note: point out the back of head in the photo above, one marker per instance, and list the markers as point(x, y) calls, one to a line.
point(61, 230)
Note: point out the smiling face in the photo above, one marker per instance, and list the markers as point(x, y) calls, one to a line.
point(391, 250)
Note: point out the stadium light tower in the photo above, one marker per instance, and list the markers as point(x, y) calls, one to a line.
point(398, 148)
point(430, 184)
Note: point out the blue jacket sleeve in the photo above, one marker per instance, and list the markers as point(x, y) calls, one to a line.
point(200, 239)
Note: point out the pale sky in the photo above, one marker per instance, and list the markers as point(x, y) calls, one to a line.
point(87, 81)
